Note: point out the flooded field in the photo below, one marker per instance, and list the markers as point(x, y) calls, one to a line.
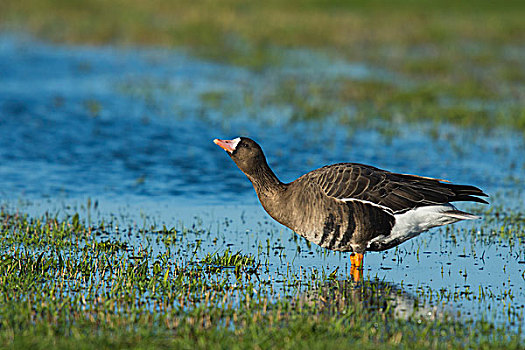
point(123, 138)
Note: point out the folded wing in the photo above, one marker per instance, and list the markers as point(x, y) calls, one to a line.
point(398, 192)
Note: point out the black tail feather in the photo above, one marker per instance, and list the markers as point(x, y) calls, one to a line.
point(467, 193)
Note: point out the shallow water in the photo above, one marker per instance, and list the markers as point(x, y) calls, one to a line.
point(133, 129)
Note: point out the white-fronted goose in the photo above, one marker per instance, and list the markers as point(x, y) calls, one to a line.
point(352, 207)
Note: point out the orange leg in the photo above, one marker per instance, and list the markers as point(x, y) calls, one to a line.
point(356, 266)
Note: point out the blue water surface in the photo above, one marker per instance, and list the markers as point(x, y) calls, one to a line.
point(132, 129)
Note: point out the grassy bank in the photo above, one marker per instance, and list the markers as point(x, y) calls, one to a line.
point(209, 25)
point(65, 284)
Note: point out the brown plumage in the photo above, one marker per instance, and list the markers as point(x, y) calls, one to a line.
point(349, 206)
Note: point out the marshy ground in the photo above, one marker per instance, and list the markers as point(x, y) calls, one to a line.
point(122, 224)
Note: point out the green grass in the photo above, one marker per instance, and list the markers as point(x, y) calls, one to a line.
point(63, 285)
point(454, 60)
point(257, 25)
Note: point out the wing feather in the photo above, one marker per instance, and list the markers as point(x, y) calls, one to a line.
point(399, 192)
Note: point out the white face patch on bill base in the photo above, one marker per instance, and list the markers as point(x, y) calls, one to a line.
point(235, 142)
point(228, 145)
